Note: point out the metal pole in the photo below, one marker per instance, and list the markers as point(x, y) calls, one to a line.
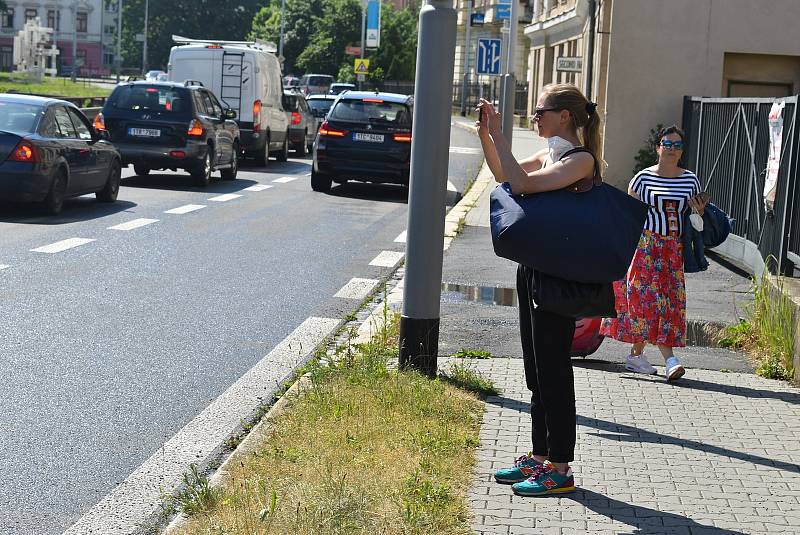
point(419, 322)
point(283, 20)
point(144, 46)
point(74, 41)
point(118, 59)
point(467, 46)
point(590, 49)
point(509, 80)
point(363, 34)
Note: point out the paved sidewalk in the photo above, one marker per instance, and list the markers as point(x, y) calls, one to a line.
point(717, 452)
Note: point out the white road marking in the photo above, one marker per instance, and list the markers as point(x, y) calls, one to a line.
point(387, 259)
point(401, 238)
point(307, 174)
point(357, 288)
point(139, 496)
point(451, 186)
point(4, 266)
point(185, 209)
point(465, 150)
point(225, 198)
point(136, 223)
point(285, 179)
point(62, 245)
point(258, 187)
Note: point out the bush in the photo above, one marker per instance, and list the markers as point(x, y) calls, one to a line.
point(647, 155)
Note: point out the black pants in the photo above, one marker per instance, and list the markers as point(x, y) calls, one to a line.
point(546, 342)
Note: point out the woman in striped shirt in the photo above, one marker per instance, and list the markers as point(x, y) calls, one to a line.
point(651, 300)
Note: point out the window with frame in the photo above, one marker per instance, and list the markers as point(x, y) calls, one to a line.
point(8, 18)
point(81, 58)
point(80, 126)
point(6, 57)
point(109, 29)
point(82, 22)
point(54, 19)
point(31, 14)
point(67, 130)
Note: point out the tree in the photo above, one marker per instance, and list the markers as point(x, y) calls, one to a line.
point(299, 27)
point(203, 19)
point(397, 55)
point(339, 25)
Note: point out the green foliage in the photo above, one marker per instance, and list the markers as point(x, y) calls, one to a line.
point(339, 25)
point(346, 74)
point(466, 378)
point(397, 56)
point(472, 354)
point(647, 155)
point(301, 17)
point(217, 19)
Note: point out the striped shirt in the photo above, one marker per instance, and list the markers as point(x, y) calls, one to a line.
point(667, 199)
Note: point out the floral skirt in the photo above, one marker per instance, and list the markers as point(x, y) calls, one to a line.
point(651, 299)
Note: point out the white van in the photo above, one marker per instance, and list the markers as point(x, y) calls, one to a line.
point(245, 76)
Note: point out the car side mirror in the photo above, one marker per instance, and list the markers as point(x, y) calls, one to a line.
point(230, 114)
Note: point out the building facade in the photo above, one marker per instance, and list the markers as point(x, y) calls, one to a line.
point(91, 23)
point(646, 55)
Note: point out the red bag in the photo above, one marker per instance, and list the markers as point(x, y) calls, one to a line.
point(587, 337)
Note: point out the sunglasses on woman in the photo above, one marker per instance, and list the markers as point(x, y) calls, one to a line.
point(538, 112)
point(676, 145)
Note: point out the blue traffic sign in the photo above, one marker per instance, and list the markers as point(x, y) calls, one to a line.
point(489, 56)
point(502, 10)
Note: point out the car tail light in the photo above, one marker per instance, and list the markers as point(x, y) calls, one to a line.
point(378, 100)
point(325, 130)
point(213, 46)
point(257, 116)
point(195, 128)
point(403, 138)
point(177, 154)
point(296, 117)
point(99, 122)
point(24, 152)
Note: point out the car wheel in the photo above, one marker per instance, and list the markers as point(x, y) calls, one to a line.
point(202, 173)
point(283, 155)
point(141, 170)
point(230, 173)
point(111, 189)
point(301, 149)
point(54, 201)
point(321, 182)
point(263, 158)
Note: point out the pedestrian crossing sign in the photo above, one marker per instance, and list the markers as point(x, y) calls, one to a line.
point(362, 66)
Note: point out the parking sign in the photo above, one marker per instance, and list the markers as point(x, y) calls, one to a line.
point(489, 57)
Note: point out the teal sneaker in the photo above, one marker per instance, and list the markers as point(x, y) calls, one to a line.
point(547, 480)
point(524, 467)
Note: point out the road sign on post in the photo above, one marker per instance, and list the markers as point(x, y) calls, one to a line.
point(502, 10)
point(489, 57)
point(361, 66)
point(419, 322)
point(373, 23)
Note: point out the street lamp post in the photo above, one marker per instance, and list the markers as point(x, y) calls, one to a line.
point(363, 34)
point(118, 58)
point(283, 19)
point(467, 47)
point(419, 322)
point(74, 75)
point(144, 45)
point(509, 85)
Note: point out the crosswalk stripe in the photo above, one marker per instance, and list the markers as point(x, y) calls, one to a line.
point(401, 238)
point(62, 245)
point(465, 150)
point(387, 259)
point(285, 179)
point(357, 288)
point(225, 198)
point(258, 187)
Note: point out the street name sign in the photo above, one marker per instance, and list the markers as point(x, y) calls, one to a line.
point(502, 11)
point(489, 56)
point(567, 64)
point(477, 19)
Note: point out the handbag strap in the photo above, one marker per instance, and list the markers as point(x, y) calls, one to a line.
point(584, 184)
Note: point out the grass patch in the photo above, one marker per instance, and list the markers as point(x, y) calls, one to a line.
point(58, 87)
point(467, 378)
point(767, 333)
point(472, 354)
point(364, 449)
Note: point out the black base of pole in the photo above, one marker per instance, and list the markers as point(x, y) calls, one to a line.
point(419, 344)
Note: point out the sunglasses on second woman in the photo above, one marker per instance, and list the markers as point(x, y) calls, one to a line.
point(667, 144)
point(538, 112)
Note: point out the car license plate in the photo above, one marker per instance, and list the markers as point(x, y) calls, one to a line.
point(372, 138)
point(144, 132)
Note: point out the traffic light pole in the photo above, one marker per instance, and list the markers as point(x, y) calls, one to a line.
point(419, 322)
point(509, 84)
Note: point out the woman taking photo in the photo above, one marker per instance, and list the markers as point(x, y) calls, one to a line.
point(651, 300)
point(567, 120)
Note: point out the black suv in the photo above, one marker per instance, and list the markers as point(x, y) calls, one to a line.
point(169, 125)
point(367, 137)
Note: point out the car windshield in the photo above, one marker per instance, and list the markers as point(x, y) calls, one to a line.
point(320, 80)
point(163, 100)
point(320, 104)
point(372, 111)
point(17, 117)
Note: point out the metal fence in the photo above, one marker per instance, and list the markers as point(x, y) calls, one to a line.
point(491, 92)
point(728, 144)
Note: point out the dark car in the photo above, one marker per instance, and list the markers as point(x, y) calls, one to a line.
point(366, 136)
point(302, 123)
point(49, 151)
point(320, 105)
point(169, 125)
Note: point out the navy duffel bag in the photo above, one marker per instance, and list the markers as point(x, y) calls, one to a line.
point(587, 236)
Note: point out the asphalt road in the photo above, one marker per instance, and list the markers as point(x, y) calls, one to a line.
point(112, 346)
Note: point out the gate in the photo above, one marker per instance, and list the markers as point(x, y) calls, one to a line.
point(727, 147)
